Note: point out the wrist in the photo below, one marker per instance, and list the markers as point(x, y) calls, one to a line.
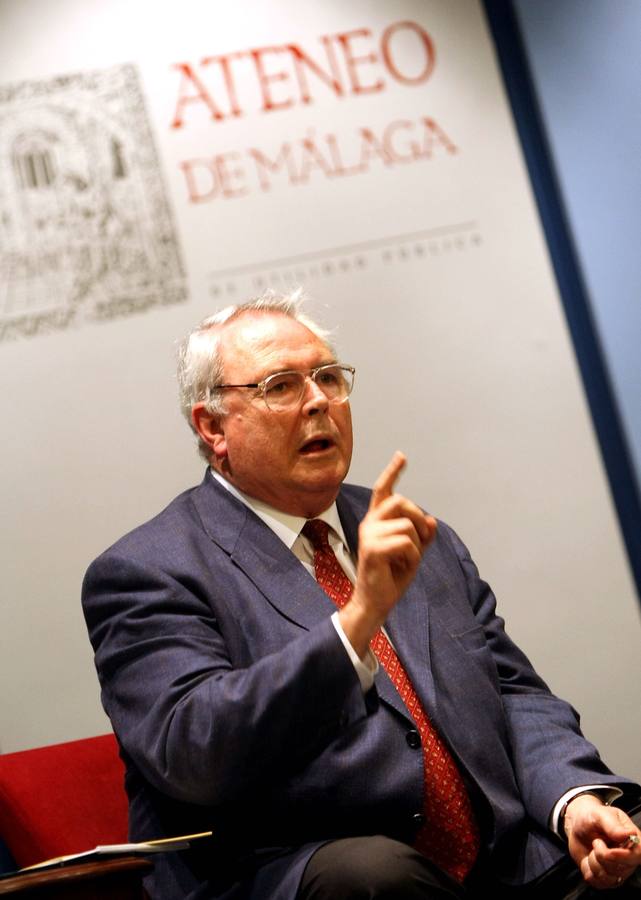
point(584, 798)
point(358, 626)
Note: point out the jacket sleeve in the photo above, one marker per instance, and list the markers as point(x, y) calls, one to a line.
point(550, 755)
point(204, 724)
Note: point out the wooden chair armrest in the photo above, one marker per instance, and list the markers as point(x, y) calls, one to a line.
point(104, 879)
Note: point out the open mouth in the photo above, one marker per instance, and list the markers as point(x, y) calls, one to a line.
point(317, 445)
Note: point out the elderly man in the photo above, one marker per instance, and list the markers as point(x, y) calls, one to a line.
point(316, 672)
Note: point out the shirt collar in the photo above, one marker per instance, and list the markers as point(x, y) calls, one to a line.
point(284, 525)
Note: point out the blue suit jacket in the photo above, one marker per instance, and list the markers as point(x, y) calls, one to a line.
point(238, 710)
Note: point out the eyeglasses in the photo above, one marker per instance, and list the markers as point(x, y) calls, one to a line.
point(284, 390)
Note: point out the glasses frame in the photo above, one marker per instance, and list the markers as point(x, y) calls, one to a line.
point(311, 374)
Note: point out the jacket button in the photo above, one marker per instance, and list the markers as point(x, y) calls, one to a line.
point(413, 739)
point(418, 819)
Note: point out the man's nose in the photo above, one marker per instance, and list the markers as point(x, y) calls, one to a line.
point(314, 399)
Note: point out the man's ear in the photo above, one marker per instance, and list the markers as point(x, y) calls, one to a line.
point(210, 429)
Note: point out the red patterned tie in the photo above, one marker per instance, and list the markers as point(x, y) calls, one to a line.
point(449, 836)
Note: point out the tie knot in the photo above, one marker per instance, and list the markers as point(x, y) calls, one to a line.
point(317, 531)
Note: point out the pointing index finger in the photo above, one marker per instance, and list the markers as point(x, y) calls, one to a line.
point(384, 484)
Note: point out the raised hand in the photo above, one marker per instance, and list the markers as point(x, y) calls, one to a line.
point(392, 539)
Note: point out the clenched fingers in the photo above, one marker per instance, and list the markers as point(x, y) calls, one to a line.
point(407, 515)
point(606, 867)
point(414, 528)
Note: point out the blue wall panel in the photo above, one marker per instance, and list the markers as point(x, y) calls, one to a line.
point(573, 73)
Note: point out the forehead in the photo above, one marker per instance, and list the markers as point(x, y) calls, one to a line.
point(267, 342)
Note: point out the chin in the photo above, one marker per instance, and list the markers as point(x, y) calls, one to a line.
point(327, 485)
point(321, 475)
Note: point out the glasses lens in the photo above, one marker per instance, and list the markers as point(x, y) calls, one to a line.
point(284, 389)
point(336, 382)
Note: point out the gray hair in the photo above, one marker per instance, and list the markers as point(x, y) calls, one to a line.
point(200, 365)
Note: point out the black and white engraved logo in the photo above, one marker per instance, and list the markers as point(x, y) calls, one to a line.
point(86, 231)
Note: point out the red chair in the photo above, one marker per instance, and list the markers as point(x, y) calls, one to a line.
point(62, 799)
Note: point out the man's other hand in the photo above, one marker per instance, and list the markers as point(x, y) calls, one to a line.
point(598, 841)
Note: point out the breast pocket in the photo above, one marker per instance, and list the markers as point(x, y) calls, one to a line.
point(475, 645)
point(472, 639)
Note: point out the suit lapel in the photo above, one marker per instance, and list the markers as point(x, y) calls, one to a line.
point(408, 628)
point(279, 575)
point(262, 556)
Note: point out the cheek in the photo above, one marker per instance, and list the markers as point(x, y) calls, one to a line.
point(276, 443)
point(343, 420)
point(284, 432)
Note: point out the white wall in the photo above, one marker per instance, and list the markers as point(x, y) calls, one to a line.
point(434, 273)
